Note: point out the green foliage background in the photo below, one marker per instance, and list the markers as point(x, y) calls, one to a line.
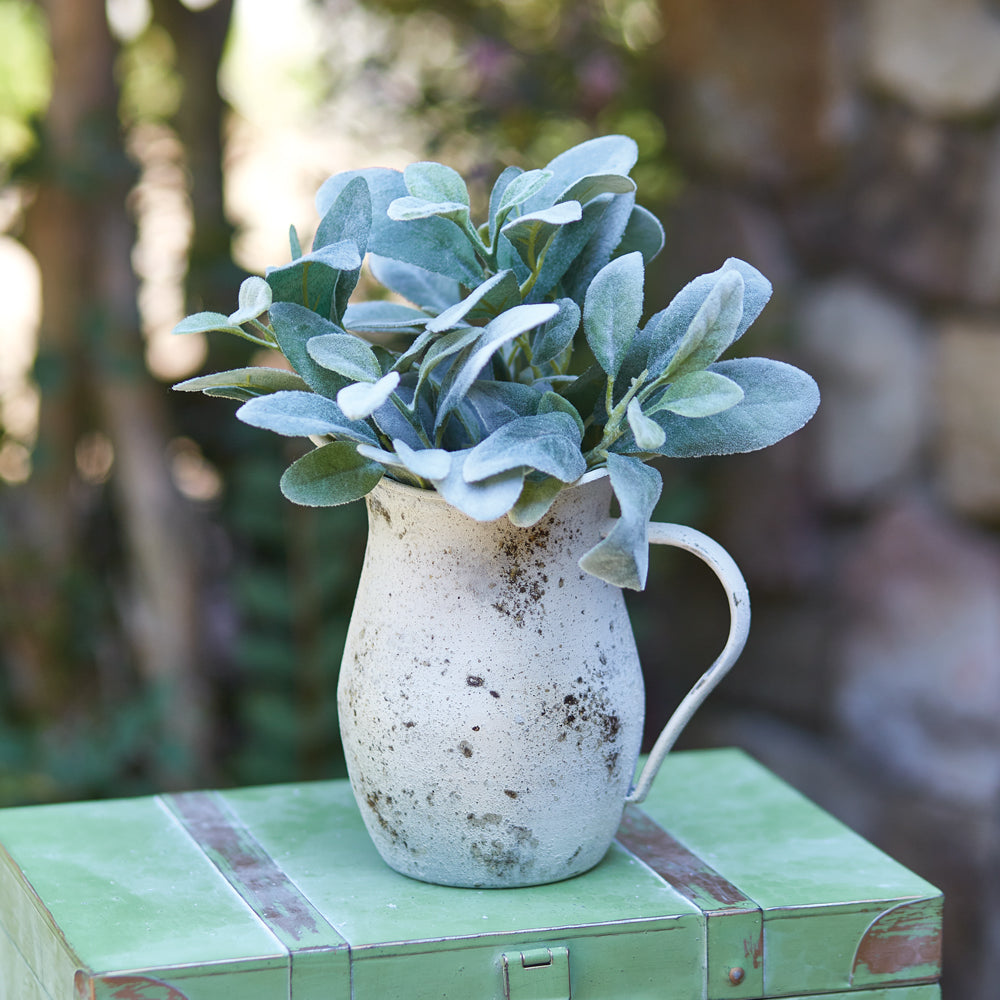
point(276, 582)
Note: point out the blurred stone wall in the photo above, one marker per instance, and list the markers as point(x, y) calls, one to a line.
point(850, 149)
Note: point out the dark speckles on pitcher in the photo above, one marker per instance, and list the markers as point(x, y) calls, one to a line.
point(506, 684)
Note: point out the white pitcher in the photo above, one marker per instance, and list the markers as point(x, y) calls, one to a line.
point(491, 700)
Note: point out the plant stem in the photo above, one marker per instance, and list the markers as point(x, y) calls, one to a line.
point(411, 419)
point(523, 345)
point(613, 429)
point(482, 252)
point(259, 341)
point(536, 269)
point(268, 332)
point(653, 388)
point(457, 414)
point(404, 475)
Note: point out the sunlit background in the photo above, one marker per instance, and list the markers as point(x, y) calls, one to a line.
point(168, 621)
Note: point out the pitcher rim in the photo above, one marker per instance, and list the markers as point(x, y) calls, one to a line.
point(432, 495)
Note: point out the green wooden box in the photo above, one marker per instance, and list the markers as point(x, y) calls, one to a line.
point(727, 884)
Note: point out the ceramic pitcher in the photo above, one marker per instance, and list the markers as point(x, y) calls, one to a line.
point(491, 699)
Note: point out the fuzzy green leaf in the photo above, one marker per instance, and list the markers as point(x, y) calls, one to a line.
point(649, 435)
point(643, 232)
point(377, 453)
point(301, 414)
point(330, 475)
point(564, 253)
point(435, 182)
point(433, 244)
point(655, 344)
point(383, 316)
point(531, 234)
point(434, 190)
point(362, 399)
point(552, 402)
point(340, 256)
point(244, 383)
point(428, 463)
point(712, 330)
point(537, 496)
point(622, 559)
point(509, 259)
point(348, 218)
point(549, 442)
point(612, 310)
point(294, 326)
point(395, 422)
point(635, 362)
point(497, 403)
point(601, 245)
point(385, 358)
point(778, 399)
point(253, 300)
point(408, 209)
point(494, 295)
point(496, 219)
point(408, 358)
point(482, 501)
point(504, 295)
point(442, 347)
point(557, 334)
point(345, 354)
point(593, 185)
point(586, 393)
point(209, 322)
point(672, 323)
point(697, 394)
point(609, 154)
point(311, 280)
point(522, 187)
point(423, 288)
point(505, 327)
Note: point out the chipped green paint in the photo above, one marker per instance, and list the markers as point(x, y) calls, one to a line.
point(119, 887)
point(726, 885)
point(417, 941)
point(126, 988)
point(819, 885)
point(319, 956)
point(734, 924)
point(904, 943)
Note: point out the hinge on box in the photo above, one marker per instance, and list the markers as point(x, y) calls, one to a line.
point(537, 974)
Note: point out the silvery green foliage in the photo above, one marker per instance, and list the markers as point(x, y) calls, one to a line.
point(467, 386)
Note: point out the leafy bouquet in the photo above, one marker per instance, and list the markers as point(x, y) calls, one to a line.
point(473, 384)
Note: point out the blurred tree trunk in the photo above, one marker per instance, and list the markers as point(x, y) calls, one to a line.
point(199, 38)
point(92, 375)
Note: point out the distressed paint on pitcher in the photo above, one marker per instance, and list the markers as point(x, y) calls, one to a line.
point(491, 699)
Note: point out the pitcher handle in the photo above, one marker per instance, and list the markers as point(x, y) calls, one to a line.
point(722, 564)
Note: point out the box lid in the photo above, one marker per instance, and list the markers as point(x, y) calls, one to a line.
point(837, 913)
point(278, 892)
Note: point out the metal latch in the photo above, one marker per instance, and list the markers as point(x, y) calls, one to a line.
point(536, 974)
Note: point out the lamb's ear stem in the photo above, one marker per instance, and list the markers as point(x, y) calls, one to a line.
point(609, 397)
point(411, 418)
point(616, 422)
